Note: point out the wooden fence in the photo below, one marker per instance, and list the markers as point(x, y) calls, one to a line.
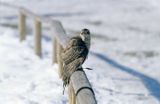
point(80, 90)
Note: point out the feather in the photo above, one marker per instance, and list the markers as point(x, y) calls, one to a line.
point(73, 57)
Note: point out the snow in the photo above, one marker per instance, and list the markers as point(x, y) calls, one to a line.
point(25, 78)
point(124, 54)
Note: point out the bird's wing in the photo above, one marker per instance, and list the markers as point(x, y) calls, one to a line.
point(73, 57)
point(70, 68)
point(72, 53)
point(76, 48)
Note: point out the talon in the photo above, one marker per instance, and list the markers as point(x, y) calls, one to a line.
point(88, 68)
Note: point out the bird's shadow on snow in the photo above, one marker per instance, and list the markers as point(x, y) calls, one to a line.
point(151, 84)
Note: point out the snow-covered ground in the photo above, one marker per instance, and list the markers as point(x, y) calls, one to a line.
point(124, 54)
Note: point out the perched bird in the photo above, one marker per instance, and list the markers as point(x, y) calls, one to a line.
point(75, 54)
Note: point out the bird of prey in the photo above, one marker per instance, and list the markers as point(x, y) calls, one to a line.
point(75, 54)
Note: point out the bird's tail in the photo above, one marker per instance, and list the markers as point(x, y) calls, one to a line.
point(64, 86)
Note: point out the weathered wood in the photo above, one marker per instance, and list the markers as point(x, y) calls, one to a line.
point(54, 50)
point(59, 58)
point(38, 17)
point(22, 26)
point(83, 89)
point(30, 14)
point(78, 79)
point(71, 94)
point(79, 82)
point(37, 33)
point(59, 32)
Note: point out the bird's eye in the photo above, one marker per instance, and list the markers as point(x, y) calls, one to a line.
point(87, 32)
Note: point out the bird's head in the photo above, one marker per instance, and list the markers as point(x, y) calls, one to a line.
point(85, 34)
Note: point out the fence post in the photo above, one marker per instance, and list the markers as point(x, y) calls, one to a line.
point(22, 26)
point(54, 52)
point(82, 88)
point(59, 58)
point(37, 33)
point(72, 95)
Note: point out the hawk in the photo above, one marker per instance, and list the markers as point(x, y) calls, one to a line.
point(75, 54)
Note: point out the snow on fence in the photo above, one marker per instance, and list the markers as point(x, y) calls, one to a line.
point(80, 90)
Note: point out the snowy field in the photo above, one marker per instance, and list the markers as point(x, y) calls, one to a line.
point(125, 51)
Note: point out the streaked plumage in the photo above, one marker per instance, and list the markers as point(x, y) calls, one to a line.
point(74, 55)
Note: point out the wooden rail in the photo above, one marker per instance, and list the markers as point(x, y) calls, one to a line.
point(80, 90)
point(79, 87)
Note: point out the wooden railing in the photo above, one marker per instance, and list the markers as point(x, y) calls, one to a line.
point(80, 90)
